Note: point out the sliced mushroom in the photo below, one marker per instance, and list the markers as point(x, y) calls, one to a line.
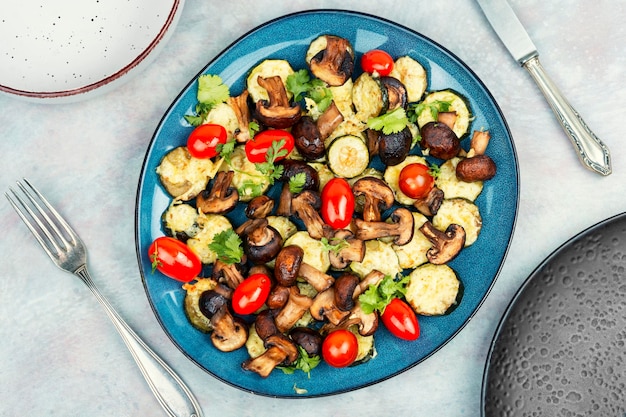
point(310, 340)
point(294, 309)
point(259, 207)
point(446, 245)
point(352, 251)
point(396, 93)
point(478, 144)
point(324, 307)
point(231, 274)
point(335, 63)
point(447, 117)
point(345, 285)
point(306, 205)
point(211, 301)
point(280, 351)
point(400, 227)
point(429, 205)
point(318, 279)
point(229, 333)
point(373, 278)
point(366, 322)
point(239, 105)
point(377, 196)
point(221, 198)
point(260, 241)
point(277, 112)
point(329, 120)
point(287, 264)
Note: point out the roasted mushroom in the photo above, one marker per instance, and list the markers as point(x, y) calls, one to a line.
point(446, 245)
point(259, 207)
point(377, 196)
point(334, 63)
point(396, 93)
point(306, 206)
point(280, 351)
point(229, 333)
point(350, 249)
point(430, 204)
point(440, 140)
point(477, 166)
point(239, 105)
point(297, 304)
point(264, 324)
point(400, 227)
point(324, 307)
point(260, 241)
point(329, 120)
point(287, 264)
point(394, 147)
point(316, 278)
point(277, 111)
point(308, 139)
point(292, 167)
point(231, 274)
point(221, 198)
point(308, 339)
point(277, 297)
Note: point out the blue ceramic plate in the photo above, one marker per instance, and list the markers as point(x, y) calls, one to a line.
point(478, 265)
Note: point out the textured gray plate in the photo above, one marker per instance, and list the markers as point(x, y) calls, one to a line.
point(560, 349)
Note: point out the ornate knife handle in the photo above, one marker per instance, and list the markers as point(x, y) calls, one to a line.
point(592, 152)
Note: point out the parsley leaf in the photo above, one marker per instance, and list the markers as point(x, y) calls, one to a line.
point(332, 246)
point(300, 85)
point(297, 182)
point(393, 122)
point(225, 150)
point(211, 91)
point(267, 168)
point(376, 297)
point(249, 188)
point(253, 128)
point(227, 245)
point(305, 363)
point(434, 107)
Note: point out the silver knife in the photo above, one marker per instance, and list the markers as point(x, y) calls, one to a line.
point(592, 152)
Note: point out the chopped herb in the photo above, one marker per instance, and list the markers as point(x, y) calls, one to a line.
point(434, 107)
point(253, 128)
point(332, 246)
point(250, 188)
point(226, 149)
point(211, 91)
point(376, 297)
point(305, 363)
point(434, 170)
point(393, 122)
point(297, 182)
point(267, 168)
point(227, 245)
point(300, 85)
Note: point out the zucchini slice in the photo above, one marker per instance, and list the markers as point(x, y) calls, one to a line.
point(432, 289)
point(248, 181)
point(348, 156)
point(456, 104)
point(210, 225)
point(192, 303)
point(462, 212)
point(380, 256)
point(413, 75)
point(366, 350)
point(315, 253)
point(452, 187)
point(224, 115)
point(267, 68)
point(369, 97)
point(413, 254)
point(180, 220)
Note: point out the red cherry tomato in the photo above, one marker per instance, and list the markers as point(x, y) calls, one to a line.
point(340, 348)
point(203, 140)
point(400, 319)
point(337, 203)
point(377, 61)
point(174, 259)
point(256, 149)
point(251, 294)
point(415, 180)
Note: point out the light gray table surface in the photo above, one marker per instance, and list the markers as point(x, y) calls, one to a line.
point(60, 355)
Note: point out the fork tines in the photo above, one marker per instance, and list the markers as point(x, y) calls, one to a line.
point(51, 231)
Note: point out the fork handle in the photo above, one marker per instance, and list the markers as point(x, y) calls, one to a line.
point(171, 392)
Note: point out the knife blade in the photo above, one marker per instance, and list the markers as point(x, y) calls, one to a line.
point(591, 151)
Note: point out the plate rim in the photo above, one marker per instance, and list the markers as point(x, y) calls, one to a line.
point(164, 32)
point(535, 274)
point(223, 52)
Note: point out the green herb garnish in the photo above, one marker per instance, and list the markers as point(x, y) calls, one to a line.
point(211, 91)
point(434, 107)
point(297, 182)
point(376, 297)
point(227, 245)
point(301, 85)
point(335, 245)
point(305, 363)
point(268, 168)
point(393, 122)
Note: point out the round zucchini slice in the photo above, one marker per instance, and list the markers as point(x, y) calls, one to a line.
point(380, 256)
point(392, 174)
point(248, 181)
point(413, 75)
point(456, 103)
point(348, 156)
point(432, 289)
point(462, 212)
point(452, 187)
point(192, 303)
point(369, 97)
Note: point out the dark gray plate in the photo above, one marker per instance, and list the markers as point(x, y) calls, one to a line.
point(560, 349)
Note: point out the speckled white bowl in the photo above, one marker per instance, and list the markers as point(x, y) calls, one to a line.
point(63, 50)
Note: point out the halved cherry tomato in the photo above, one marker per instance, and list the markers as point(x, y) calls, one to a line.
point(256, 149)
point(377, 61)
point(251, 293)
point(400, 319)
point(174, 259)
point(337, 203)
point(415, 180)
point(203, 140)
point(340, 348)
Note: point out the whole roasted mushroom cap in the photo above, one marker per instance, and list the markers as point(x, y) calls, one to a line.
point(345, 285)
point(335, 63)
point(277, 112)
point(260, 241)
point(446, 245)
point(287, 264)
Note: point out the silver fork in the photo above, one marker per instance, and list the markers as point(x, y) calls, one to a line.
point(68, 252)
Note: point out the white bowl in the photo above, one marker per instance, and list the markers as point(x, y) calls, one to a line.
point(66, 50)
